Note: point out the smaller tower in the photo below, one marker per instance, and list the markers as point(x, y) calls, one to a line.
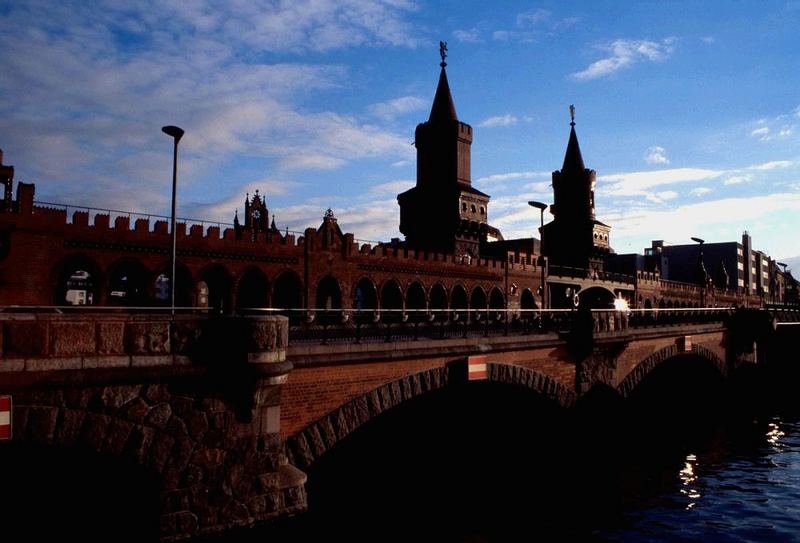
point(575, 237)
point(256, 214)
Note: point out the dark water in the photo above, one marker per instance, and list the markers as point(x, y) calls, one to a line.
point(491, 464)
point(740, 485)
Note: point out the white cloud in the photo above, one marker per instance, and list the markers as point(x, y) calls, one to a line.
point(472, 35)
point(656, 155)
point(638, 183)
point(499, 177)
point(761, 133)
point(737, 179)
point(662, 196)
point(501, 120)
point(700, 191)
point(401, 163)
point(772, 165)
point(393, 187)
point(141, 65)
point(624, 54)
point(708, 39)
point(398, 106)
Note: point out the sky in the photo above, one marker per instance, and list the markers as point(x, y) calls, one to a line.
point(689, 112)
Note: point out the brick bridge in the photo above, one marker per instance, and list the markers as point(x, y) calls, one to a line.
point(222, 412)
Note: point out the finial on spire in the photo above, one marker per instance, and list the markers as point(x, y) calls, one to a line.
point(443, 53)
point(572, 114)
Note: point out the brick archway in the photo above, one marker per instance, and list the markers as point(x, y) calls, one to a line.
point(646, 366)
point(531, 379)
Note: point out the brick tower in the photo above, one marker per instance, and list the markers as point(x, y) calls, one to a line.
point(443, 212)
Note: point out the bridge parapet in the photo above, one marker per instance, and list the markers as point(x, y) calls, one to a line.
point(194, 401)
point(32, 342)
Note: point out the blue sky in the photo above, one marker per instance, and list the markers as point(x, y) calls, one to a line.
point(688, 111)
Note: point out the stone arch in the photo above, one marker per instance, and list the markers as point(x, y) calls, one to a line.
point(458, 302)
point(308, 445)
point(252, 289)
point(527, 300)
point(531, 379)
point(185, 294)
point(646, 366)
point(497, 303)
point(127, 282)
point(391, 301)
point(416, 300)
point(220, 287)
point(597, 297)
point(478, 303)
point(77, 280)
point(365, 295)
point(120, 423)
point(438, 300)
point(287, 294)
point(329, 300)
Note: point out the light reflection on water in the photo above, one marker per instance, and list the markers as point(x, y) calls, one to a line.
point(734, 490)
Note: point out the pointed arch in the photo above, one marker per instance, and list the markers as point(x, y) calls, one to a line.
point(77, 280)
point(252, 290)
point(391, 301)
point(127, 283)
point(438, 301)
point(287, 294)
point(416, 301)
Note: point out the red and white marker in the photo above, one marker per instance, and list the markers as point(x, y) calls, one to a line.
point(5, 417)
point(476, 368)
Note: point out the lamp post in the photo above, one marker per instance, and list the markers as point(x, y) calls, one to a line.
point(701, 272)
point(541, 207)
point(176, 134)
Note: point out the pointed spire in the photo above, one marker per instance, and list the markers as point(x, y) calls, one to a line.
point(236, 218)
point(443, 109)
point(573, 160)
point(272, 226)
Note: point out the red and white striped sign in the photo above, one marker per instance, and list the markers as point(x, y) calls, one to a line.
point(5, 417)
point(476, 368)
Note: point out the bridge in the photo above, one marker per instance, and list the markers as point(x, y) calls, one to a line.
point(222, 416)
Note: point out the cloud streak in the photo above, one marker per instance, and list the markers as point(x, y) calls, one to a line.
point(623, 54)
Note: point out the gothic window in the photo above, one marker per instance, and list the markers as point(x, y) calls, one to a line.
point(463, 206)
point(483, 210)
point(472, 208)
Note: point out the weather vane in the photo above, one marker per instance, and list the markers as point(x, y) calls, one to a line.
point(572, 114)
point(443, 52)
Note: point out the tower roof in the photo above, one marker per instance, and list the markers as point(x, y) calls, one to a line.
point(443, 109)
point(573, 160)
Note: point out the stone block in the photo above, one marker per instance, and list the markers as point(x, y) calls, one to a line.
point(117, 436)
point(182, 406)
point(182, 454)
point(197, 424)
point(115, 397)
point(176, 427)
point(72, 338)
point(95, 429)
point(69, 426)
point(136, 410)
point(157, 393)
point(159, 415)
point(147, 338)
point(208, 457)
point(12, 364)
point(159, 451)
point(110, 337)
point(53, 364)
point(145, 361)
point(41, 424)
point(118, 361)
point(181, 360)
point(27, 338)
point(139, 441)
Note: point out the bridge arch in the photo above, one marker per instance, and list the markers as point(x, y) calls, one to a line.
point(438, 300)
point(597, 297)
point(287, 293)
point(458, 297)
point(646, 366)
point(308, 445)
point(220, 287)
point(365, 295)
point(416, 300)
point(531, 379)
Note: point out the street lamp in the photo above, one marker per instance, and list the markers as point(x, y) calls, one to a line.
point(541, 207)
point(701, 271)
point(176, 134)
